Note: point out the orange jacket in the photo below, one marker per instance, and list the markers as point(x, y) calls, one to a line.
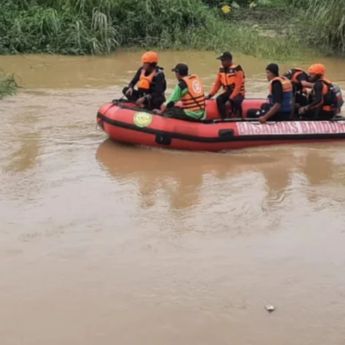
point(145, 82)
point(295, 73)
point(194, 99)
point(286, 84)
point(326, 95)
point(233, 78)
point(286, 105)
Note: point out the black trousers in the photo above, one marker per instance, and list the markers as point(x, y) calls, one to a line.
point(179, 113)
point(154, 103)
point(301, 99)
point(318, 115)
point(236, 104)
point(255, 113)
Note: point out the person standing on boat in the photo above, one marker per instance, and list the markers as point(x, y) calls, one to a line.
point(190, 92)
point(232, 79)
point(322, 103)
point(301, 85)
point(279, 106)
point(150, 81)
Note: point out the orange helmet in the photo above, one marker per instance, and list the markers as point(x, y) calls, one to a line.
point(317, 68)
point(150, 57)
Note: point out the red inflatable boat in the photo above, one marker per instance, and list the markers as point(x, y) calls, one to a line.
point(125, 123)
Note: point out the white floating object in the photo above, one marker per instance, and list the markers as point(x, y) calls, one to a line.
point(270, 308)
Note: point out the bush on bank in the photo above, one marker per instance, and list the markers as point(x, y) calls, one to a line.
point(8, 85)
point(101, 26)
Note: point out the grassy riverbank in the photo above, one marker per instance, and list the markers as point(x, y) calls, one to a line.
point(326, 29)
point(8, 85)
point(270, 28)
point(97, 27)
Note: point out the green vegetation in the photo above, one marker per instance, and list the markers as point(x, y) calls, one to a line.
point(8, 85)
point(100, 26)
point(316, 24)
point(327, 29)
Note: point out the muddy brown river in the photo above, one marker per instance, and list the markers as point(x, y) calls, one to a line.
point(103, 244)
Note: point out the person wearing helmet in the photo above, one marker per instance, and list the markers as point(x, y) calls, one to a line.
point(322, 100)
point(279, 106)
point(190, 92)
point(150, 82)
point(231, 78)
point(301, 85)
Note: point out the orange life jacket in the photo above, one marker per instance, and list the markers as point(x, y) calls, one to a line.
point(293, 75)
point(194, 99)
point(328, 102)
point(286, 84)
point(145, 81)
point(296, 72)
point(229, 76)
point(287, 93)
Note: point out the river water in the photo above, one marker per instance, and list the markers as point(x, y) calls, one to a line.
point(102, 243)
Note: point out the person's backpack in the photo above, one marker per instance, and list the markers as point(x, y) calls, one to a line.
point(334, 98)
point(339, 97)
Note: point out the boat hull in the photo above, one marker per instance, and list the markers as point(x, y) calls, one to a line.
point(133, 126)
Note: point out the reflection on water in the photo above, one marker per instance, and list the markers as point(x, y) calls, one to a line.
point(182, 175)
point(99, 239)
point(179, 174)
point(313, 171)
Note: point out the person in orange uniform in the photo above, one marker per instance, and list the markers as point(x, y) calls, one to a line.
point(232, 79)
point(190, 92)
point(279, 106)
point(301, 85)
point(150, 82)
point(322, 103)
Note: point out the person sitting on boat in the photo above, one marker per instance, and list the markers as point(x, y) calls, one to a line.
point(232, 79)
point(301, 85)
point(190, 92)
point(150, 81)
point(322, 104)
point(279, 106)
